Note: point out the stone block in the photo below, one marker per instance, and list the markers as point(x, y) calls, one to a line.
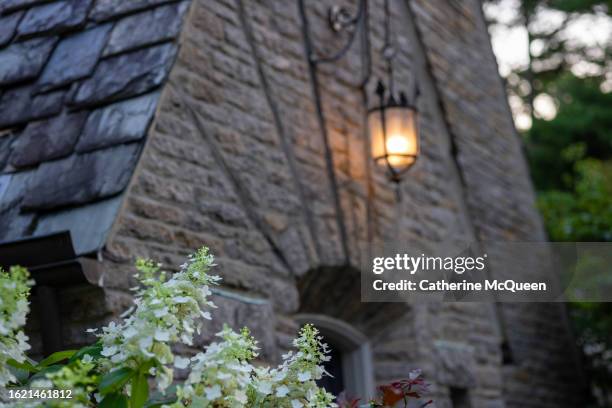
point(258, 317)
point(24, 60)
point(237, 273)
point(118, 301)
point(226, 213)
point(74, 57)
point(455, 365)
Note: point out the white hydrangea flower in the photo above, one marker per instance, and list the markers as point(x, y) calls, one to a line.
point(221, 376)
point(14, 307)
point(181, 362)
point(212, 393)
point(303, 376)
point(294, 381)
point(166, 311)
point(282, 391)
point(265, 387)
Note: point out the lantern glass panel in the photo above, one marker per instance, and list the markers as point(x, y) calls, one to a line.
point(397, 145)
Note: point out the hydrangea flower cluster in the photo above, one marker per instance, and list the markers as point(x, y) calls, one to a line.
point(165, 311)
point(293, 383)
point(79, 377)
point(222, 375)
point(115, 371)
point(14, 306)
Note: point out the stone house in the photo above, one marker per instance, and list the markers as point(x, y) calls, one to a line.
point(153, 127)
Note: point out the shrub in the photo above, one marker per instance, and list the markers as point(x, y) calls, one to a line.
point(135, 354)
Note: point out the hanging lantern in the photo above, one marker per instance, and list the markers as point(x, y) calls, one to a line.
point(394, 133)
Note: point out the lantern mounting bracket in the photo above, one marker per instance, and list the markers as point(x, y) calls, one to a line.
point(353, 24)
point(340, 19)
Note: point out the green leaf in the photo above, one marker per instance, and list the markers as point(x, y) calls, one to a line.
point(116, 379)
point(43, 373)
point(258, 400)
point(94, 351)
point(21, 375)
point(114, 401)
point(56, 357)
point(26, 365)
point(140, 390)
point(162, 398)
point(157, 403)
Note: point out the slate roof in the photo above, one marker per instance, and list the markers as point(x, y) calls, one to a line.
point(79, 85)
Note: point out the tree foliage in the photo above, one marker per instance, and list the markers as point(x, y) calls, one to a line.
point(553, 50)
point(570, 155)
point(580, 130)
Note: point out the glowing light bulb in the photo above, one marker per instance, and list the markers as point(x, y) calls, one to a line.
point(395, 143)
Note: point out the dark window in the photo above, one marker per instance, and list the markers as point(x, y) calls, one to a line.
point(507, 356)
point(460, 398)
point(334, 384)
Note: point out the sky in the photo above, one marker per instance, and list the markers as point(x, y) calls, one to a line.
point(511, 48)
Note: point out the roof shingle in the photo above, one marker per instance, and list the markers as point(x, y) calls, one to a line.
point(74, 57)
point(87, 236)
point(62, 165)
point(121, 122)
point(146, 28)
point(57, 16)
point(19, 105)
point(24, 60)
point(80, 179)
point(9, 5)
point(8, 24)
point(126, 75)
point(106, 9)
point(47, 139)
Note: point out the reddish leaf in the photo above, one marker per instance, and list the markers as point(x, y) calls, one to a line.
point(391, 395)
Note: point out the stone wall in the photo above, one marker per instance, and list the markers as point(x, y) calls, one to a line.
point(240, 160)
point(499, 195)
